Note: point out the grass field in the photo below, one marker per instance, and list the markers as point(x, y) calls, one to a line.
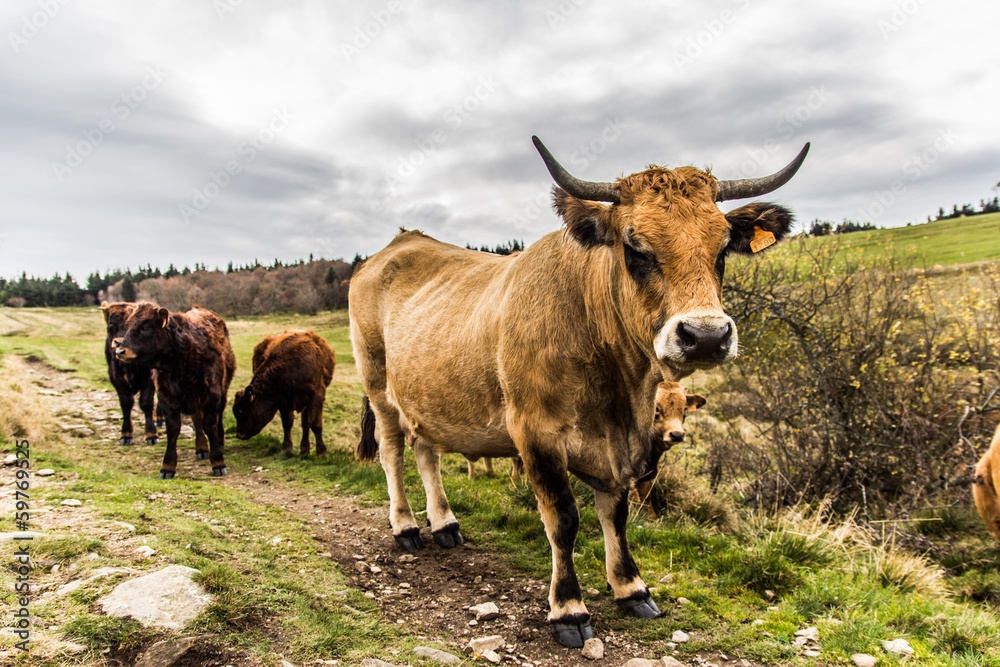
point(750, 581)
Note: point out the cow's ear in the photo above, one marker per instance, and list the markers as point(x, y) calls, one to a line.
point(589, 222)
point(761, 220)
point(163, 315)
point(104, 310)
point(694, 401)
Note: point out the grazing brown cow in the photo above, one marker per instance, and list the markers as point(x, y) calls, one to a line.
point(291, 372)
point(194, 365)
point(984, 487)
point(554, 354)
point(129, 379)
point(672, 405)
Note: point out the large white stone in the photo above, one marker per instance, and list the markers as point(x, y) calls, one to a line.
point(167, 599)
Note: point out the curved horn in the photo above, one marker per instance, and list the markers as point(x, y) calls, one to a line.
point(755, 187)
point(586, 190)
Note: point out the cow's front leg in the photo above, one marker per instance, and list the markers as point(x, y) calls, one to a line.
point(630, 591)
point(147, 400)
point(126, 401)
point(392, 444)
point(444, 526)
point(545, 465)
point(214, 430)
point(172, 417)
point(287, 421)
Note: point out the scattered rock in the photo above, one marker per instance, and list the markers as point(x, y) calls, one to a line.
point(407, 558)
point(145, 551)
point(362, 566)
point(680, 637)
point(898, 646)
point(167, 599)
point(436, 655)
point(168, 653)
point(671, 662)
point(99, 573)
point(809, 634)
point(642, 662)
point(683, 601)
point(10, 459)
point(593, 592)
point(73, 649)
point(127, 526)
point(812, 653)
point(491, 656)
point(667, 578)
point(372, 662)
point(285, 663)
point(71, 502)
point(864, 660)
point(486, 611)
point(593, 649)
point(483, 644)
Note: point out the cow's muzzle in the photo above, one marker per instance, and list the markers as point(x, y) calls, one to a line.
point(122, 353)
point(695, 342)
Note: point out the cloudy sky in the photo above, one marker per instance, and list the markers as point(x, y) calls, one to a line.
point(204, 131)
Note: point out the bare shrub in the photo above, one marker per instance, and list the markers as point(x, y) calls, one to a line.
point(865, 382)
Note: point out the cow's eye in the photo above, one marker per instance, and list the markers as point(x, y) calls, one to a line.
point(640, 265)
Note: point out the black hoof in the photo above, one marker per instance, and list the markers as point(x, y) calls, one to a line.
point(125, 440)
point(448, 537)
point(166, 474)
point(573, 631)
point(639, 605)
point(219, 471)
point(409, 540)
point(152, 440)
point(200, 456)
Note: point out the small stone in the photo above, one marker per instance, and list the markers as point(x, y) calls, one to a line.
point(473, 623)
point(407, 558)
point(671, 662)
point(812, 653)
point(667, 578)
point(671, 645)
point(10, 459)
point(482, 644)
point(683, 601)
point(864, 660)
point(593, 649)
point(593, 592)
point(71, 502)
point(372, 662)
point(127, 526)
point(145, 551)
point(486, 611)
point(769, 595)
point(362, 566)
point(478, 579)
point(375, 569)
point(437, 655)
point(404, 585)
point(680, 637)
point(491, 656)
point(642, 662)
point(285, 663)
point(898, 646)
point(810, 634)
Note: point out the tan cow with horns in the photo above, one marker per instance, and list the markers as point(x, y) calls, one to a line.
point(554, 354)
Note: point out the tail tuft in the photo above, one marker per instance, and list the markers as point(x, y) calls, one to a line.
point(368, 446)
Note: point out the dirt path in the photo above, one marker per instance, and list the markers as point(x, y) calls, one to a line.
point(430, 594)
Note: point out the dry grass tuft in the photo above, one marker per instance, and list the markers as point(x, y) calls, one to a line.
point(22, 415)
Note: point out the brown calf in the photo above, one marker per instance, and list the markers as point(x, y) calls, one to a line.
point(672, 405)
point(291, 372)
point(984, 487)
point(554, 354)
point(194, 365)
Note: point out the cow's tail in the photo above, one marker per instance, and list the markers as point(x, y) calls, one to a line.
point(368, 446)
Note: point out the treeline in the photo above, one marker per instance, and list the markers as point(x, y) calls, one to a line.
point(826, 228)
point(985, 206)
point(508, 248)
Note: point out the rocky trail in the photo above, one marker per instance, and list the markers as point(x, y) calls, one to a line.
point(435, 594)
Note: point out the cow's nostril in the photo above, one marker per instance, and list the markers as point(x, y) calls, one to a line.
point(676, 436)
point(688, 341)
point(699, 344)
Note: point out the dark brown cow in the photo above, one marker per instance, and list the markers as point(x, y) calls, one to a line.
point(291, 372)
point(672, 405)
point(195, 365)
point(129, 379)
point(555, 354)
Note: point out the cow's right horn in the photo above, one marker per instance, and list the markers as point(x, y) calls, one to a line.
point(756, 187)
point(587, 190)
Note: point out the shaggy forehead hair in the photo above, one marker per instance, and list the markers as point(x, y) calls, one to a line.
point(667, 187)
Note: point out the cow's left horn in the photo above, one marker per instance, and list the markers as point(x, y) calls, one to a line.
point(586, 190)
point(755, 187)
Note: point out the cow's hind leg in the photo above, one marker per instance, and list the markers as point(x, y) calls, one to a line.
point(200, 441)
point(316, 424)
point(172, 417)
point(287, 421)
point(214, 430)
point(630, 591)
point(444, 526)
point(392, 443)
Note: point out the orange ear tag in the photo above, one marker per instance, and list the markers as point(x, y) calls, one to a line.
point(761, 239)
